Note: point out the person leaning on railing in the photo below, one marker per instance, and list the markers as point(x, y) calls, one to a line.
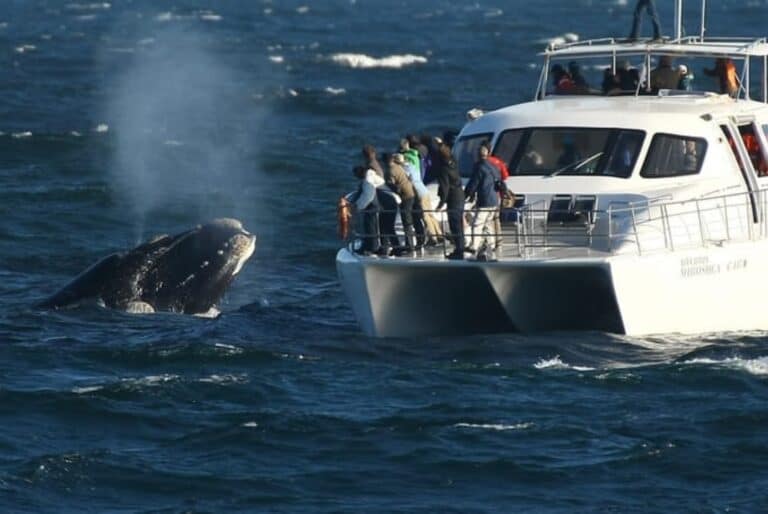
point(452, 196)
point(400, 183)
point(365, 202)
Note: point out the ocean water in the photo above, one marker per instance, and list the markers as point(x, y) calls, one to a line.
point(123, 119)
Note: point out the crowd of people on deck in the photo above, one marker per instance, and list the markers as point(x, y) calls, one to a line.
point(627, 79)
point(395, 183)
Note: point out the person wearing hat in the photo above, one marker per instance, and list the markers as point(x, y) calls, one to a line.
point(398, 181)
point(686, 78)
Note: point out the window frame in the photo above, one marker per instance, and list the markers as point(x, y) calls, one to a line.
point(481, 136)
point(680, 137)
point(612, 138)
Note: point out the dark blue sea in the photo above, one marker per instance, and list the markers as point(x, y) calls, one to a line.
point(123, 119)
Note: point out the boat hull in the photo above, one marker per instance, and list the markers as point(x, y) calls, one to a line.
point(395, 298)
point(712, 289)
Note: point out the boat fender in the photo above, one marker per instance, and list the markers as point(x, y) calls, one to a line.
point(343, 216)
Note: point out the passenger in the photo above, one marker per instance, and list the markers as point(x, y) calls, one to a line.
point(415, 143)
point(370, 161)
point(686, 78)
point(388, 202)
point(691, 157)
point(579, 82)
point(428, 230)
point(645, 5)
point(411, 155)
point(610, 82)
point(570, 154)
point(399, 182)
point(755, 154)
point(365, 201)
point(629, 77)
point(452, 196)
point(426, 156)
point(664, 76)
point(562, 81)
point(725, 71)
point(483, 185)
point(449, 138)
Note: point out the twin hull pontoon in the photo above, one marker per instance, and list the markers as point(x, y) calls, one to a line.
point(639, 212)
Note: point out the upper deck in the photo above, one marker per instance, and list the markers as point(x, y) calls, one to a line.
point(750, 55)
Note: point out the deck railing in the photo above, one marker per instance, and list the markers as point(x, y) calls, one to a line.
point(547, 228)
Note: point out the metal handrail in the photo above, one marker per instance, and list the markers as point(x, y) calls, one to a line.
point(629, 227)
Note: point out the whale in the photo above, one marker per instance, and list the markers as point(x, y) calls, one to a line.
point(184, 273)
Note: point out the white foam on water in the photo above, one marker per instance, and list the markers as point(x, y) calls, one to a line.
point(250, 424)
point(101, 128)
point(304, 9)
point(758, 366)
point(24, 49)
point(335, 91)
point(493, 13)
point(211, 313)
point(228, 349)
point(276, 58)
point(89, 7)
point(86, 389)
point(224, 379)
point(21, 135)
point(151, 380)
point(494, 426)
point(75, 133)
point(366, 61)
point(209, 16)
point(86, 17)
point(173, 142)
point(556, 363)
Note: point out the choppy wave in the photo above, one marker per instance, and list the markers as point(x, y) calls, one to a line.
point(501, 427)
point(757, 366)
point(363, 61)
point(556, 363)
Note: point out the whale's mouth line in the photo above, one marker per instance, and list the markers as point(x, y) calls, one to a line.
point(246, 254)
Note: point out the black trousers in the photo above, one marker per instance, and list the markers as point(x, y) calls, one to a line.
point(370, 228)
point(387, 217)
point(418, 222)
point(406, 216)
point(456, 225)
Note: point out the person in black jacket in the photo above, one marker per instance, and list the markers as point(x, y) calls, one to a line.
point(452, 196)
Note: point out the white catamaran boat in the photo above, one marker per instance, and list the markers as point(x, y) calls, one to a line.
point(636, 212)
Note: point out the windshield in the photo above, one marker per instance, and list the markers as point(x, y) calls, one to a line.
point(570, 151)
point(465, 151)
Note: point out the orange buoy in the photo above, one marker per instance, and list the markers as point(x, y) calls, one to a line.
point(343, 216)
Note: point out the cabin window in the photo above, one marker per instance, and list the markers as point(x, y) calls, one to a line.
point(465, 151)
point(572, 151)
point(507, 145)
point(674, 156)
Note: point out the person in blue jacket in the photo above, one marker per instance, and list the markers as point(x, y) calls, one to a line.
point(483, 186)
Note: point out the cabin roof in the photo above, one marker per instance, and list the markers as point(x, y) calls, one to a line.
point(736, 48)
point(650, 113)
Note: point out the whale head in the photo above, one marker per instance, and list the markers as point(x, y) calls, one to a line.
point(185, 273)
point(192, 273)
